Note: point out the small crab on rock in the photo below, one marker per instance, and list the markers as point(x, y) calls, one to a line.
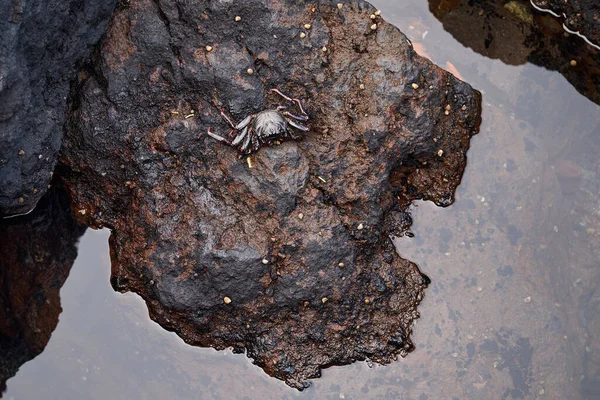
point(264, 127)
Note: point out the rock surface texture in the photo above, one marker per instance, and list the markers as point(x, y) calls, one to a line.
point(36, 255)
point(42, 43)
point(287, 254)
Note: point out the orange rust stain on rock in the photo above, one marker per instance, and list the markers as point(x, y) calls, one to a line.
point(118, 47)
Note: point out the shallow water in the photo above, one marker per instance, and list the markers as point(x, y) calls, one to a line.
point(513, 310)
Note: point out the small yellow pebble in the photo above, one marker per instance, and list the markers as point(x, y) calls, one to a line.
point(226, 300)
point(265, 261)
point(367, 301)
point(464, 107)
point(446, 112)
point(440, 153)
point(324, 49)
point(21, 200)
point(373, 16)
point(238, 18)
point(373, 27)
point(302, 35)
point(250, 71)
point(324, 300)
point(378, 12)
point(415, 86)
point(340, 5)
point(306, 26)
point(209, 48)
point(362, 86)
point(300, 216)
point(341, 265)
point(573, 63)
point(360, 227)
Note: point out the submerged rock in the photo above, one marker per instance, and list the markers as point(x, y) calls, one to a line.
point(286, 254)
point(581, 16)
point(36, 255)
point(43, 43)
point(515, 33)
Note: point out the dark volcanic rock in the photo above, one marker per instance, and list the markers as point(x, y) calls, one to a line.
point(36, 255)
point(287, 254)
point(516, 33)
point(41, 44)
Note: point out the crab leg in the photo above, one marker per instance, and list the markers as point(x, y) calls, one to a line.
point(219, 138)
point(240, 137)
point(290, 99)
point(298, 117)
point(297, 125)
point(245, 122)
point(246, 142)
point(226, 118)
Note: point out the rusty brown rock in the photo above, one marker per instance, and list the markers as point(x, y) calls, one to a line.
point(192, 223)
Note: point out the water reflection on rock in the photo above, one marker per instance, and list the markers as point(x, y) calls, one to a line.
point(36, 255)
point(516, 33)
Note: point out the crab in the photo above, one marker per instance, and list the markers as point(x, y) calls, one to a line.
point(264, 127)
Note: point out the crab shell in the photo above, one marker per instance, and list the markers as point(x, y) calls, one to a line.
point(269, 125)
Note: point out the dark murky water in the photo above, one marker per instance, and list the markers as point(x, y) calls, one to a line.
point(514, 306)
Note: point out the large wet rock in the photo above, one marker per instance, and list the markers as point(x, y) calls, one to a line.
point(43, 43)
point(516, 33)
point(287, 254)
point(36, 255)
